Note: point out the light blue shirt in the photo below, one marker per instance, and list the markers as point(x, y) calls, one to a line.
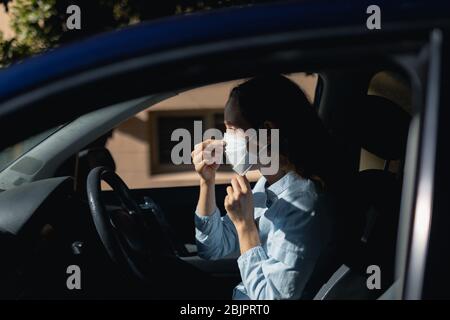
point(292, 232)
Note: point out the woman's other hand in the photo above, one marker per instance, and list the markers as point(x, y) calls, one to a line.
point(206, 158)
point(240, 209)
point(239, 201)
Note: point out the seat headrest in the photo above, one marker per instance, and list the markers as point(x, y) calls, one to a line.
point(382, 127)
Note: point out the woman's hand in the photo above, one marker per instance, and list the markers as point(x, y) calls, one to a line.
point(206, 157)
point(240, 209)
point(239, 202)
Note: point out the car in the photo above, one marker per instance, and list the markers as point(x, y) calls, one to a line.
point(382, 91)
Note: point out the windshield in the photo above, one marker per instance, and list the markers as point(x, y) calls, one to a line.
point(10, 154)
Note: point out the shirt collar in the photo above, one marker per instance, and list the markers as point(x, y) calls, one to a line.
point(282, 184)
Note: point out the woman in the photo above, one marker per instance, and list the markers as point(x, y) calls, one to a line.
point(277, 229)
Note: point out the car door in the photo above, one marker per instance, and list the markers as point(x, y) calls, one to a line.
point(91, 75)
point(428, 262)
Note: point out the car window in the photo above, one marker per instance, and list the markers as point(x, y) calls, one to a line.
point(141, 146)
point(10, 154)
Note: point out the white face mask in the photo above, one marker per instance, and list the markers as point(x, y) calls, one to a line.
point(237, 153)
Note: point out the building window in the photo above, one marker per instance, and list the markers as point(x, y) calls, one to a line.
point(163, 123)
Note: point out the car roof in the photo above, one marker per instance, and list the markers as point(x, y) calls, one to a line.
point(208, 26)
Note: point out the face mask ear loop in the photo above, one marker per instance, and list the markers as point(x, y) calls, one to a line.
point(245, 171)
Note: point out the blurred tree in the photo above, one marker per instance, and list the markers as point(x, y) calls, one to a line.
point(33, 24)
point(41, 24)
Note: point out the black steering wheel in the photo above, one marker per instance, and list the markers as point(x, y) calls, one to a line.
point(134, 239)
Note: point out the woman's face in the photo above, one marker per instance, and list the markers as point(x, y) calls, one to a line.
point(235, 123)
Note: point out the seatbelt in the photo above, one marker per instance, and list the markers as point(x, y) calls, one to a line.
point(334, 279)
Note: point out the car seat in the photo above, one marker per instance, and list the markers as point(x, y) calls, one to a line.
point(380, 127)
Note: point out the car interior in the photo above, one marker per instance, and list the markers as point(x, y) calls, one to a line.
point(139, 243)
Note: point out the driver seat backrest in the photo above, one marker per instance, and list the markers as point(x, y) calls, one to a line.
point(381, 127)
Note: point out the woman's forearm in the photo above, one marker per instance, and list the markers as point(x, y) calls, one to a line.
point(248, 236)
point(207, 198)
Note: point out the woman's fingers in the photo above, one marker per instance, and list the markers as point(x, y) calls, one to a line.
point(201, 165)
point(199, 147)
point(214, 150)
point(229, 191)
point(236, 188)
point(202, 145)
point(228, 202)
point(197, 159)
point(243, 184)
point(247, 183)
point(210, 149)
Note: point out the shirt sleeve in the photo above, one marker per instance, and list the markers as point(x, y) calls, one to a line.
point(281, 272)
point(216, 236)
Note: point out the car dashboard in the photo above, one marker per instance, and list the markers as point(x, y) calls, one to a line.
point(44, 228)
